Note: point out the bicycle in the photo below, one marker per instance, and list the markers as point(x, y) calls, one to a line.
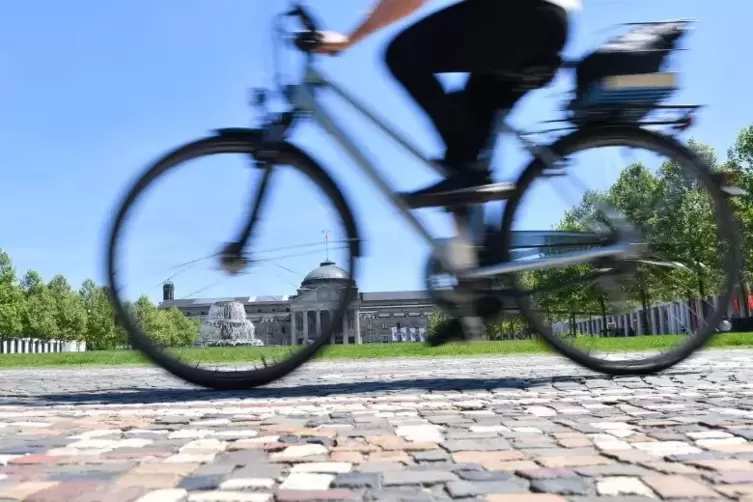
point(481, 287)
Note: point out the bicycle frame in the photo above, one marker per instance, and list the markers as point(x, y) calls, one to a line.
point(303, 98)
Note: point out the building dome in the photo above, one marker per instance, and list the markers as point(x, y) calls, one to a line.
point(327, 272)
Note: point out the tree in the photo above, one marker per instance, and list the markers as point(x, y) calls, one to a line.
point(39, 320)
point(677, 219)
point(69, 311)
point(686, 217)
point(435, 322)
point(169, 328)
point(636, 195)
point(102, 332)
point(12, 303)
point(740, 165)
point(184, 331)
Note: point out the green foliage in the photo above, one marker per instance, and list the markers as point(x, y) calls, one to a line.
point(169, 327)
point(39, 310)
point(69, 311)
point(53, 311)
point(740, 167)
point(102, 332)
point(11, 298)
point(435, 321)
point(676, 217)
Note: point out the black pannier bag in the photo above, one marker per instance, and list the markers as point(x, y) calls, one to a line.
point(641, 50)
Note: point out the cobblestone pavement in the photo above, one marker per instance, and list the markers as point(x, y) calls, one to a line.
point(507, 429)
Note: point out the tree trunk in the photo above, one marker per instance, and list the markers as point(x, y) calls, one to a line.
point(689, 308)
point(702, 293)
point(744, 292)
point(603, 306)
point(644, 312)
point(529, 329)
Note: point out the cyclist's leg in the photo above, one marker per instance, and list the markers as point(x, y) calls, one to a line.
point(421, 51)
point(479, 37)
point(483, 95)
point(529, 29)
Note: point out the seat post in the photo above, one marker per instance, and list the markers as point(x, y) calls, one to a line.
point(475, 214)
point(499, 127)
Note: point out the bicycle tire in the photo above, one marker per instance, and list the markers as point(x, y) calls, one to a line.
point(243, 141)
point(598, 136)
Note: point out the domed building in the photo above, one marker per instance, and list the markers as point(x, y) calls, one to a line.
point(326, 273)
point(379, 317)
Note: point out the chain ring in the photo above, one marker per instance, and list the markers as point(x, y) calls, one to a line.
point(488, 306)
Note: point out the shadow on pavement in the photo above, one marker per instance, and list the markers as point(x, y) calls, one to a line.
point(125, 395)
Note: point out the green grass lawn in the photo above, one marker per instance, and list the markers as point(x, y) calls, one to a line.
point(367, 351)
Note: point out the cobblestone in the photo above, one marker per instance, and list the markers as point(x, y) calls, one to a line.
point(514, 429)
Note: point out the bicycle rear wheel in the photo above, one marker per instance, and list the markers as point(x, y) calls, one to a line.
point(571, 318)
point(184, 357)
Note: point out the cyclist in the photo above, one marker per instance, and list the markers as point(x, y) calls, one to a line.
point(477, 37)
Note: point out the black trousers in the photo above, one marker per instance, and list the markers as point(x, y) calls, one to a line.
point(475, 37)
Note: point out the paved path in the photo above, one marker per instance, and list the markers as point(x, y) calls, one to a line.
point(500, 429)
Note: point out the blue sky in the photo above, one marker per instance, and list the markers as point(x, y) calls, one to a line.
point(91, 92)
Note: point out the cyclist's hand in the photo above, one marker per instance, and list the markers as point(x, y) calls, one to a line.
point(333, 43)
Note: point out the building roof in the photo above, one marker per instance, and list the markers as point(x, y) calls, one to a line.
point(381, 296)
point(205, 302)
point(327, 271)
point(391, 296)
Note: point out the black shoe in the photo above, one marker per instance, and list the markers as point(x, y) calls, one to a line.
point(453, 184)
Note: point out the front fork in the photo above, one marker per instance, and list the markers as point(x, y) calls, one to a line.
point(233, 259)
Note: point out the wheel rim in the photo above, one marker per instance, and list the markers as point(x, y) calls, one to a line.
point(584, 140)
point(156, 352)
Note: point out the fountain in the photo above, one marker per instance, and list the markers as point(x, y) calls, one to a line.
point(226, 324)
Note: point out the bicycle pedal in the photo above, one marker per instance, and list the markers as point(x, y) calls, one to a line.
point(463, 196)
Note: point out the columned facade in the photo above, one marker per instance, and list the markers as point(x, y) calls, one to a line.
point(307, 324)
point(301, 318)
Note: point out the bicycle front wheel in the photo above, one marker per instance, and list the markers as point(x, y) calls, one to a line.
point(262, 319)
point(639, 315)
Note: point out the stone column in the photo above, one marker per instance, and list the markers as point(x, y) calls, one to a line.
point(345, 328)
point(318, 323)
point(305, 326)
point(357, 325)
point(293, 334)
point(333, 340)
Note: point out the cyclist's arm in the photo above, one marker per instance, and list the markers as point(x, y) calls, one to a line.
point(384, 14)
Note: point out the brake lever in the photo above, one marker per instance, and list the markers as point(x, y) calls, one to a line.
point(305, 19)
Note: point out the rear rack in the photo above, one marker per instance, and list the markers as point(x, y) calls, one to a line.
point(628, 100)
